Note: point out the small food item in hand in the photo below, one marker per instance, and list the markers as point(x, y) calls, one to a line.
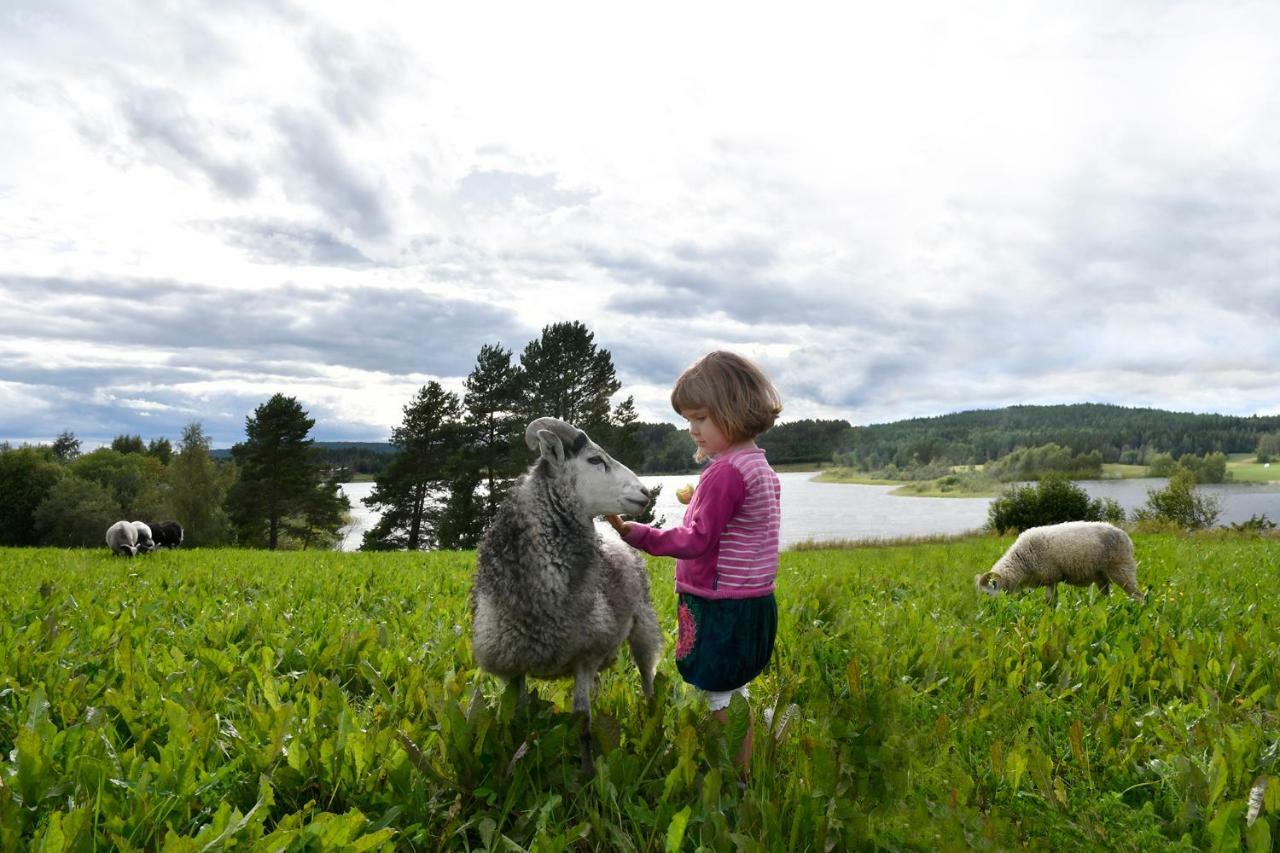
point(684, 494)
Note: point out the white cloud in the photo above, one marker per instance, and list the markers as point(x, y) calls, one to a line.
point(899, 209)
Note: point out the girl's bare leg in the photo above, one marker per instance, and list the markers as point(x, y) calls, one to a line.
point(743, 759)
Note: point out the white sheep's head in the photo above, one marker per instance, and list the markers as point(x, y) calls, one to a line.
point(604, 485)
point(990, 583)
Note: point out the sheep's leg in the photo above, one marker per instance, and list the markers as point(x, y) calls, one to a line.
point(1051, 594)
point(522, 697)
point(1104, 585)
point(646, 648)
point(582, 710)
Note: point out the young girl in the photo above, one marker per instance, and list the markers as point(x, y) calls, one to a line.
point(727, 545)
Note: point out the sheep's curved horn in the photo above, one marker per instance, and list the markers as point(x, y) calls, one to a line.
point(568, 434)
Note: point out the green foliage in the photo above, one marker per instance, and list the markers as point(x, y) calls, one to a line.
point(160, 448)
point(1053, 500)
point(76, 514)
point(66, 447)
point(198, 486)
point(136, 481)
point(220, 698)
point(492, 403)
point(1255, 524)
point(565, 375)
point(128, 444)
point(1033, 463)
point(1210, 468)
point(278, 474)
point(1268, 447)
point(1179, 504)
point(803, 441)
point(27, 476)
point(1118, 433)
point(408, 491)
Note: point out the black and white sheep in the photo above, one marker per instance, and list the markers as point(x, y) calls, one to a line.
point(1079, 553)
point(122, 538)
point(166, 533)
point(554, 596)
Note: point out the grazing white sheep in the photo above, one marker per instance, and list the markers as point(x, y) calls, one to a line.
point(555, 596)
point(145, 542)
point(1075, 552)
point(122, 539)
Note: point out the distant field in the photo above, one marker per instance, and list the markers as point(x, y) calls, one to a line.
point(1250, 471)
point(209, 699)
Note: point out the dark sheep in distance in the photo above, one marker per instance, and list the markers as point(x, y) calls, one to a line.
point(167, 534)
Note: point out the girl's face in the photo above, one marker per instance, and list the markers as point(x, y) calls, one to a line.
point(706, 434)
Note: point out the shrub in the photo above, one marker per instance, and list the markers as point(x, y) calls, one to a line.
point(1053, 500)
point(1255, 524)
point(1179, 503)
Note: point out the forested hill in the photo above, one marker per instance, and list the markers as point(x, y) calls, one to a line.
point(1120, 433)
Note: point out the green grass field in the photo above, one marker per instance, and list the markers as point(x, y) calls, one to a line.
point(201, 700)
point(1250, 471)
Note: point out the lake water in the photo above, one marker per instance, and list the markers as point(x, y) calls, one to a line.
point(824, 511)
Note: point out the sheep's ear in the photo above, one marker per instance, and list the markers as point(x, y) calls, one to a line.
point(550, 447)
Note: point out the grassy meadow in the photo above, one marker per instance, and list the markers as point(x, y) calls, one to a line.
point(200, 700)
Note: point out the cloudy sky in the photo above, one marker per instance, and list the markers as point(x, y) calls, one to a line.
point(902, 209)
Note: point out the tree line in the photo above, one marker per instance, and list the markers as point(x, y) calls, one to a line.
point(1117, 433)
point(454, 455)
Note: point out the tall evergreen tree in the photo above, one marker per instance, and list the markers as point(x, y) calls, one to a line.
point(461, 521)
point(492, 402)
point(198, 486)
point(428, 443)
point(322, 513)
point(567, 376)
point(161, 449)
point(66, 447)
point(277, 472)
point(128, 444)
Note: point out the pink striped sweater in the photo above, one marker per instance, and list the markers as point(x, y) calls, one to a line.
point(727, 545)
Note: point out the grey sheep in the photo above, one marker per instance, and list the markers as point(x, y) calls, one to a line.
point(122, 539)
point(1074, 552)
point(554, 596)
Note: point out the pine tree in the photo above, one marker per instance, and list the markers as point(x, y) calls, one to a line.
point(428, 443)
point(567, 376)
point(277, 471)
point(492, 402)
point(161, 449)
point(66, 447)
point(128, 444)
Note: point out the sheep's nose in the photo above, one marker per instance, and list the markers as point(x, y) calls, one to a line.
point(644, 490)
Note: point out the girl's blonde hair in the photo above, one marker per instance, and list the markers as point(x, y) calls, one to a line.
point(736, 394)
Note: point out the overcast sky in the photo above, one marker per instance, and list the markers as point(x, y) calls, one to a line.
point(902, 209)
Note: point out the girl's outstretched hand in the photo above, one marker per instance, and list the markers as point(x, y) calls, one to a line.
point(619, 525)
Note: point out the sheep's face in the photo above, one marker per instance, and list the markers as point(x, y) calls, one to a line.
point(990, 583)
point(603, 484)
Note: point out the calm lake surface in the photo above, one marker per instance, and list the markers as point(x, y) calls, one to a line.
point(823, 511)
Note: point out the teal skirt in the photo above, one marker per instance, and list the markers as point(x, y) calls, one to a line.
point(723, 643)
